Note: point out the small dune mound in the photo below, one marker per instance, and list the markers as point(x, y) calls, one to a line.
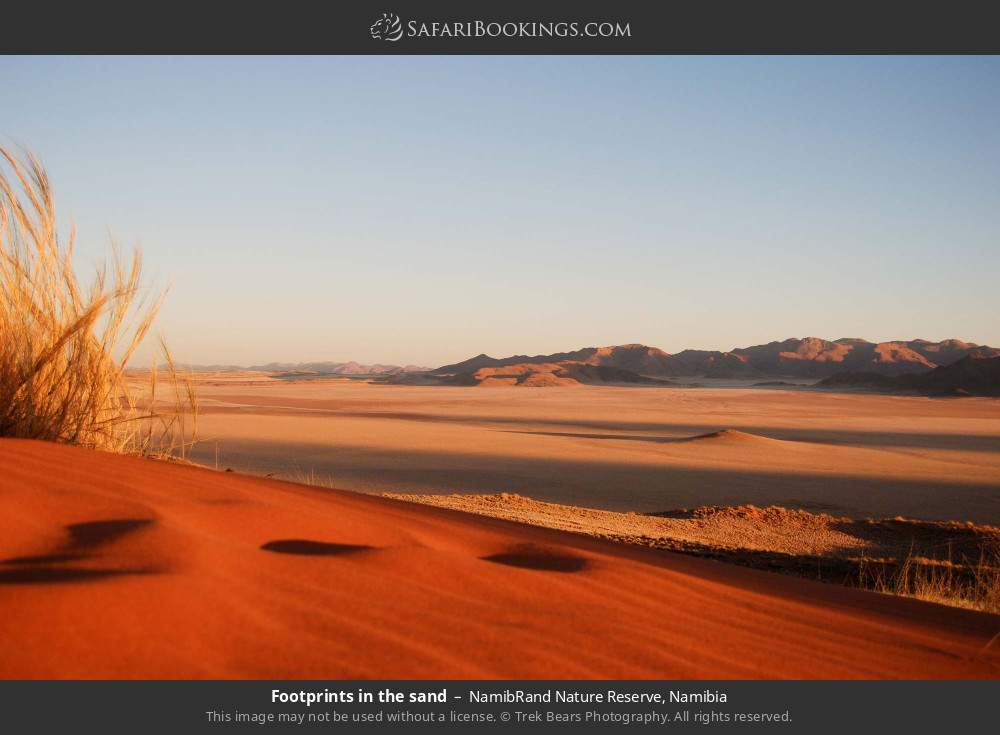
point(772, 514)
point(728, 435)
point(528, 376)
point(548, 380)
point(564, 374)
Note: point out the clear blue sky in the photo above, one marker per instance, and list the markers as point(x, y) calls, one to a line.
point(421, 210)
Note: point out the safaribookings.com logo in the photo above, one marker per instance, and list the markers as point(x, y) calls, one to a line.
point(390, 28)
point(387, 28)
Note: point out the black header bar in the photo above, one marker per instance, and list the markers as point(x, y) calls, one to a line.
point(510, 27)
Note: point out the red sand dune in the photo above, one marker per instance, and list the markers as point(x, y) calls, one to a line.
point(115, 567)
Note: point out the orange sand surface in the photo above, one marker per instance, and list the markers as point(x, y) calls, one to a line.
point(120, 567)
point(621, 449)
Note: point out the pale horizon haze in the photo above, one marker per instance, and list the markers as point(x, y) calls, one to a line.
point(421, 210)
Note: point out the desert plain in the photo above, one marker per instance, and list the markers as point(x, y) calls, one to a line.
point(633, 449)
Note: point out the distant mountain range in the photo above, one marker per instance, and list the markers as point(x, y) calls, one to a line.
point(809, 357)
point(805, 358)
point(318, 368)
point(848, 364)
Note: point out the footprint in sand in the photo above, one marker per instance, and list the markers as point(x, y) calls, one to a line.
point(97, 533)
point(525, 556)
point(84, 538)
point(304, 547)
point(538, 558)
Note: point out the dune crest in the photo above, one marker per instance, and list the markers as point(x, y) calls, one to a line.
point(728, 435)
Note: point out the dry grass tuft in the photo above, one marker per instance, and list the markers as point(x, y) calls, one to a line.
point(972, 586)
point(64, 346)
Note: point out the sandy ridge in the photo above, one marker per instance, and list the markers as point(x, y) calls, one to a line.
point(187, 572)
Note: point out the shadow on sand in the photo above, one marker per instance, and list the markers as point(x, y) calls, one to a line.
point(305, 547)
point(84, 538)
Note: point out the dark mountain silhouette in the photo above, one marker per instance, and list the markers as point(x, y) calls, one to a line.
point(814, 357)
point(976, 374)
point(712, 364)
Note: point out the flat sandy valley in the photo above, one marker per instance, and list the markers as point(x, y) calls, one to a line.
point(624, 449)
